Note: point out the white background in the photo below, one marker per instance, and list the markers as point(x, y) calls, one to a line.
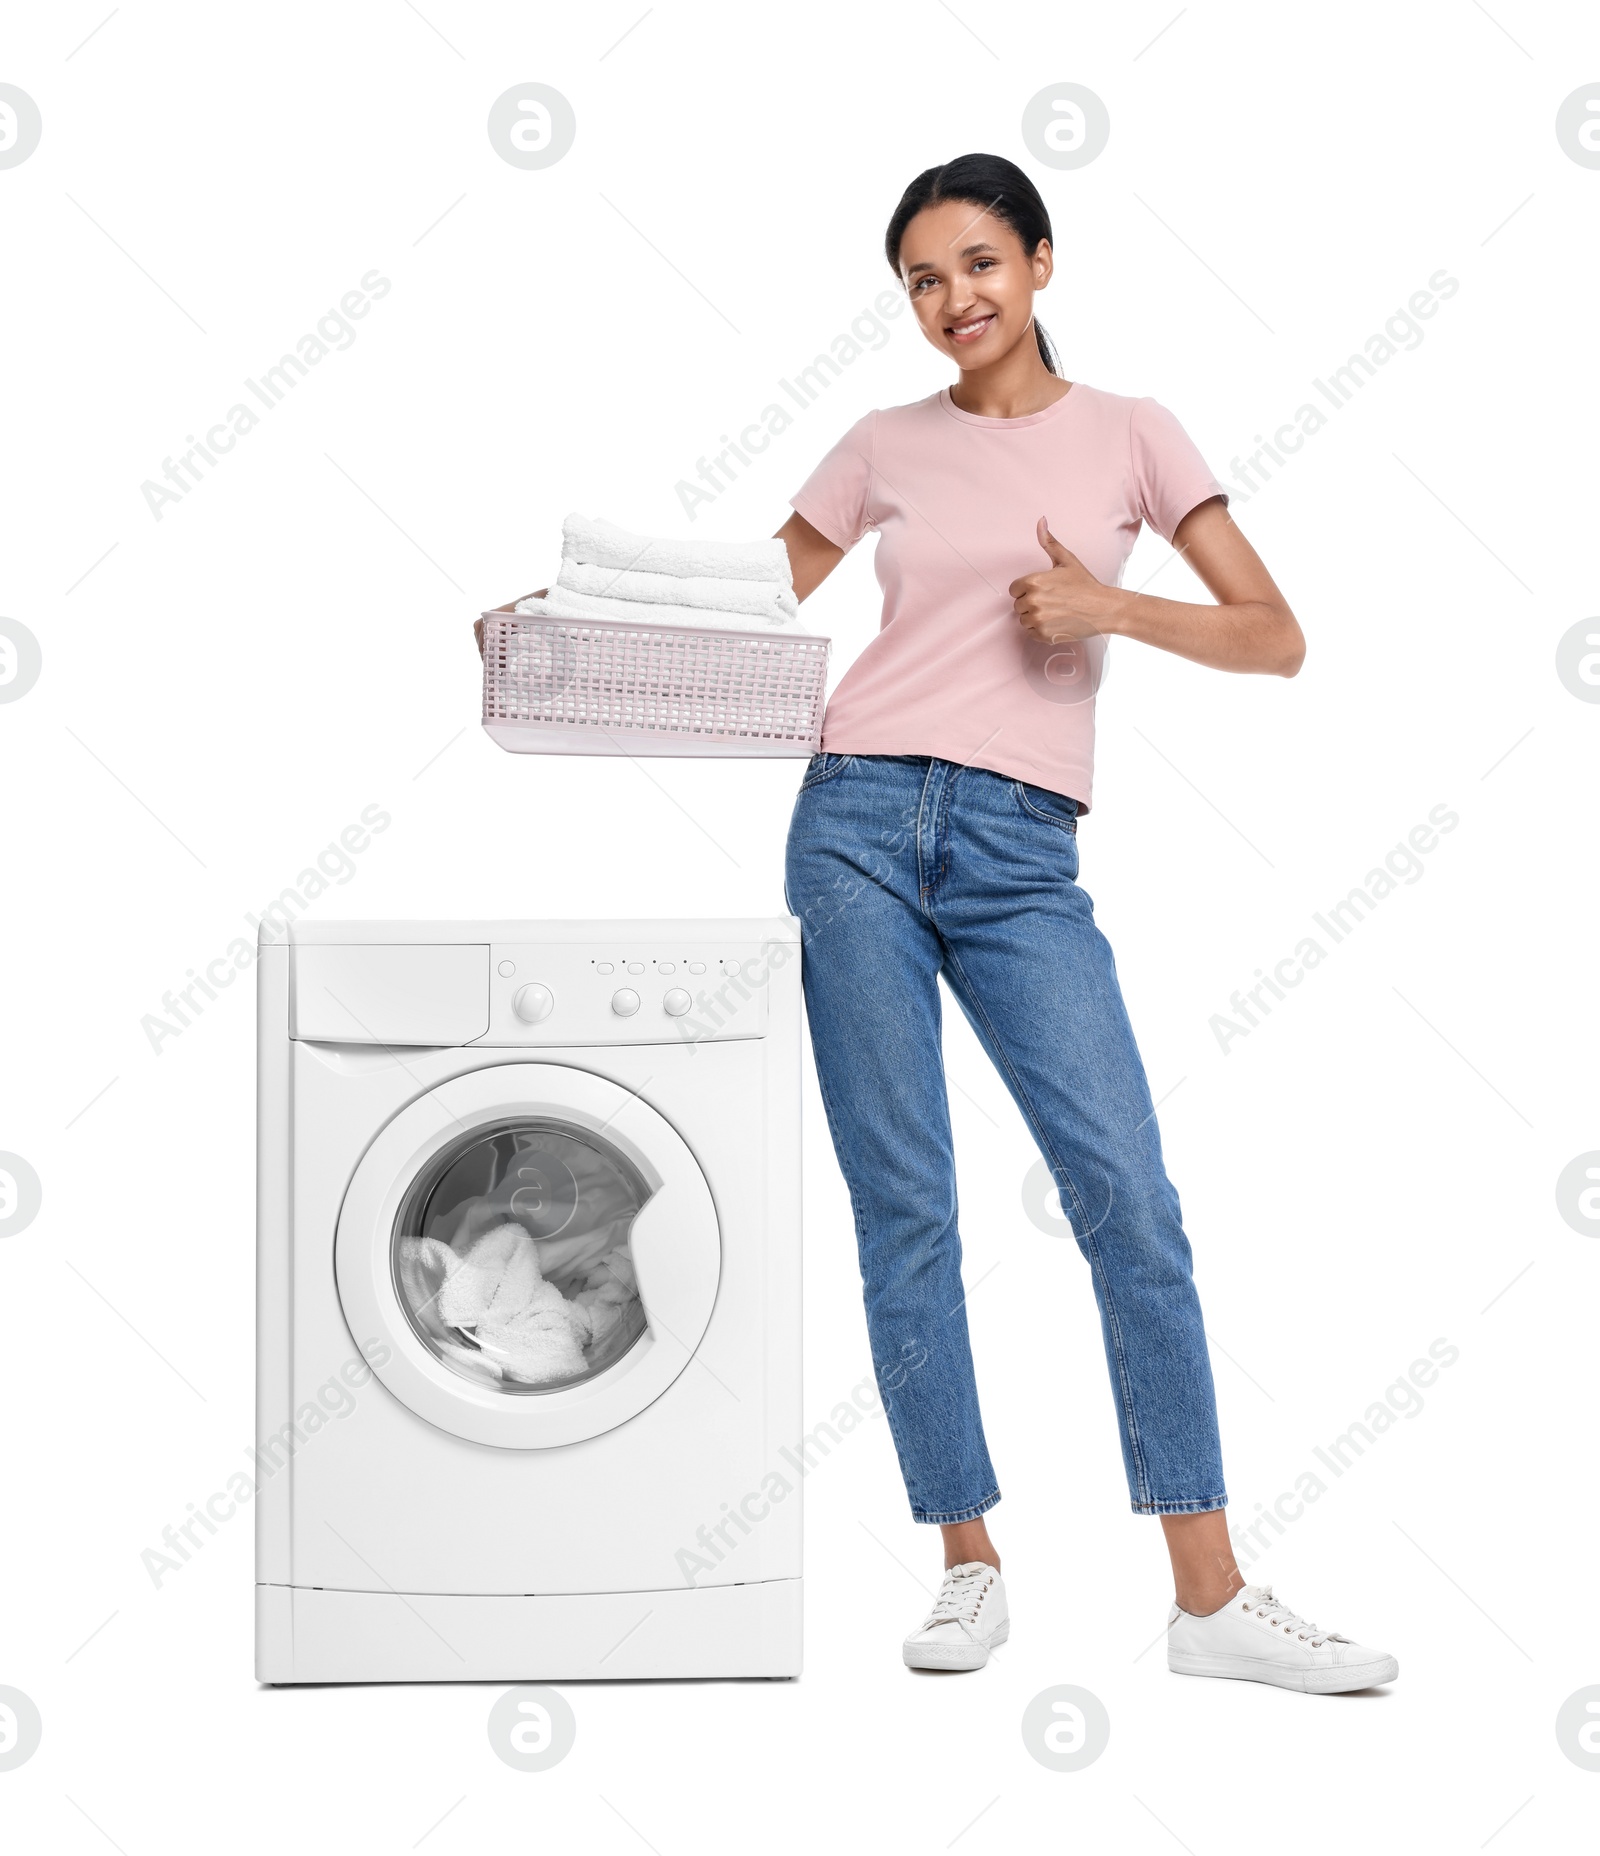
point(226, 688)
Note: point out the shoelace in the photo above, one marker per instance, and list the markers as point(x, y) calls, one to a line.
point(1280, 1617)
point(959, 1598)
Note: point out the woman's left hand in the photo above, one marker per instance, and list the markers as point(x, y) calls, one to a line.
point(1065, 601)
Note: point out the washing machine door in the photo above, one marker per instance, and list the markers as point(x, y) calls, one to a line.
point(528, 1254)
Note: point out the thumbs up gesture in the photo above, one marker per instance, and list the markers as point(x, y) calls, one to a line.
point(1064, 601)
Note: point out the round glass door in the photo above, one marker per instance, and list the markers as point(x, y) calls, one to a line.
point(511, 1255)
point(528, 1254)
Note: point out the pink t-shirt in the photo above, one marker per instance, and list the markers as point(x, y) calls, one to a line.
point(954, 499)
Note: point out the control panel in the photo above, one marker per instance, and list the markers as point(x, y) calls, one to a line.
point(631, 994)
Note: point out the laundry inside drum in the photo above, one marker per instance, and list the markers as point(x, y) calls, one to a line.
point(511, 1256)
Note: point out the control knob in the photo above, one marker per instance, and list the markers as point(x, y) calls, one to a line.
point(533, 1003)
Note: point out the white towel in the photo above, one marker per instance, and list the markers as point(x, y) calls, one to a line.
point(498, 1295)
point(559, 603)
point(759, 598)
point(491, 1303)
point(595, 542)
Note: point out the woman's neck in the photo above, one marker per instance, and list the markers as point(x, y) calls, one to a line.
point(1017, 384)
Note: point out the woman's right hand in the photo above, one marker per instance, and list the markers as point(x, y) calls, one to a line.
point(812, 557)
point(477, 624)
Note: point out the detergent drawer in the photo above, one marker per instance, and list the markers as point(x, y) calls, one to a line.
point(425, 995)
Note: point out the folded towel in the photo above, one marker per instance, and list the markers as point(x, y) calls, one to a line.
point(598, 543)
point(559, 603)
point(758, 597)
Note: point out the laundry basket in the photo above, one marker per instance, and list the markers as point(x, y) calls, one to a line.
point(604, 686)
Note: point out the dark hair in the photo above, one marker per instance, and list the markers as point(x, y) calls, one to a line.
point(993, 185)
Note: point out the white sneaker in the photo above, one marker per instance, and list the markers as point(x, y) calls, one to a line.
point(1257, 1638)
point(968, 1618)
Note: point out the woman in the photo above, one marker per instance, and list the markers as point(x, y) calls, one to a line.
point(936, 832)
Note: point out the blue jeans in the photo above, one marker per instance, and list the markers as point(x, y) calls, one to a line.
point(902, 868)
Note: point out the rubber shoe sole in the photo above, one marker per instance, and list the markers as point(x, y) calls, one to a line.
point(1326, 1679)
point(968, 1655)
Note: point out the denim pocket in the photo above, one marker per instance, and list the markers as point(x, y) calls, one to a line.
point(823, 767)
point(1053, 808)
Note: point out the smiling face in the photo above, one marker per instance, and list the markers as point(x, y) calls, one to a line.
point(970, 282)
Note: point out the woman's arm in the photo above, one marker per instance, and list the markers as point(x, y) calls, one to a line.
point(812, 557)
point(1249, 628)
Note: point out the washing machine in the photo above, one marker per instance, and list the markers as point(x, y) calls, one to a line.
point(528, 1321)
